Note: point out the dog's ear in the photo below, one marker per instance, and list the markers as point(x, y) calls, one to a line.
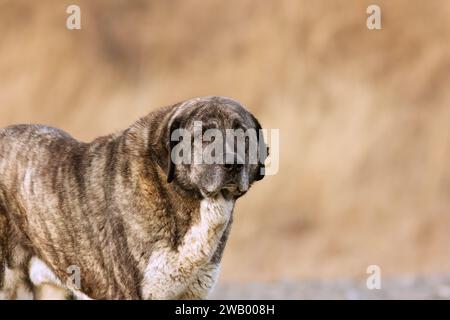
point(173, 125)
point(263, 150)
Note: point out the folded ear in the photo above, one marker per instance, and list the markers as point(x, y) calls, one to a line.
point(171, 143)
point(262, 150)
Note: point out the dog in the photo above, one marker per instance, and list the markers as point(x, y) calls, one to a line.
point(118, 213)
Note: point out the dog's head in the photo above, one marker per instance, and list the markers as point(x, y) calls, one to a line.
point(215, 146)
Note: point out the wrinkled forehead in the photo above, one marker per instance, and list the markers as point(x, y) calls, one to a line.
point(219, 114)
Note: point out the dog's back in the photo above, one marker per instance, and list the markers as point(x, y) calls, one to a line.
point(24, 148)
point(25, 145)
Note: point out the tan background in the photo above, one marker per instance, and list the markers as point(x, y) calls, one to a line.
point(364, 115)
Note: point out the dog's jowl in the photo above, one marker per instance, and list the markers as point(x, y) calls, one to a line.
point(134, 222)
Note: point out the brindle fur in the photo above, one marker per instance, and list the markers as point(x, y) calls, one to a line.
point(103, 206)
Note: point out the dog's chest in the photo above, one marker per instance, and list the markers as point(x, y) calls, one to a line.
point(191, 264)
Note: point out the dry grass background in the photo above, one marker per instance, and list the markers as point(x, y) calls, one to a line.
point(364, 115)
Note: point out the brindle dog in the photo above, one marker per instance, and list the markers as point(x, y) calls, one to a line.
point(119, 210)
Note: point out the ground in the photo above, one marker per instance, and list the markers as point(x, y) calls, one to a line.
point(404, 287)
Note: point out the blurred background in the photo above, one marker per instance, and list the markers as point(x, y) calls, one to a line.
point(363, 115)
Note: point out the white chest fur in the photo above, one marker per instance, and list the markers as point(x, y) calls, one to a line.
point(171, 273)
